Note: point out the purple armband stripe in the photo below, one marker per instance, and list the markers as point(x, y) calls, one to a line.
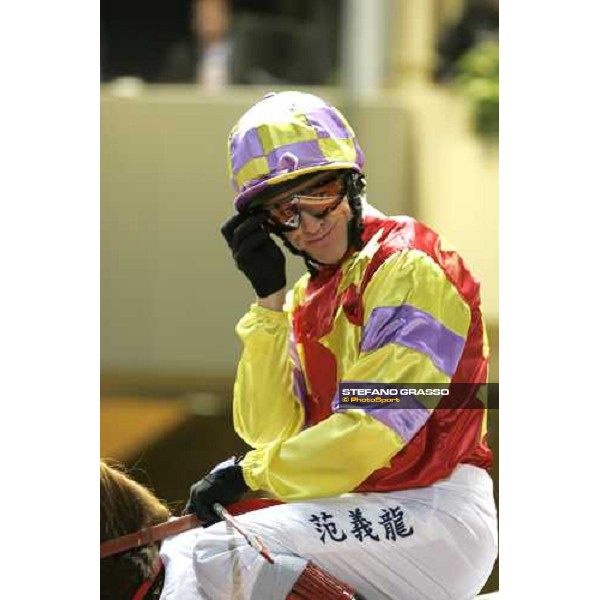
point(415, 329)
point(298, 381)
point(299, 386)
point(405, 420)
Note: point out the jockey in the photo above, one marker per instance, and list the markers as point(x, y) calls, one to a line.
point(395, 499)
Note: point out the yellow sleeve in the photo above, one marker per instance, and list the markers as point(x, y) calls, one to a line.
point(415, 323)
point(328, 459)
point(264, 405)
point(414, 332)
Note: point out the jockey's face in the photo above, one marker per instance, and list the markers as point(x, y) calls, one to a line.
point(313, 217)
point(325, 239)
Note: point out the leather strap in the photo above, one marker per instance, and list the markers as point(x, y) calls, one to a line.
point(148, 535)
point(175, 526)
point(141, 592)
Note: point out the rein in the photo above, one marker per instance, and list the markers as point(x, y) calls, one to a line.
point(148, 535)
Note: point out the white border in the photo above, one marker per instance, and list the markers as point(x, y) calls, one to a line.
point(49, 303)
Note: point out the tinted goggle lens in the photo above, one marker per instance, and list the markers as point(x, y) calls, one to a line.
point(317, 202)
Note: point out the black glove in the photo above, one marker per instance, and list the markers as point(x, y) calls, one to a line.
point(255, 252)
point(224, 486)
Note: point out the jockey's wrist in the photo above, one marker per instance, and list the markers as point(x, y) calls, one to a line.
point(274, 301)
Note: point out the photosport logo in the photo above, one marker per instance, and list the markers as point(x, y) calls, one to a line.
point(367, 395)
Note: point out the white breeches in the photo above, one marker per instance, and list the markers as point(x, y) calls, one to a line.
point(434, 543)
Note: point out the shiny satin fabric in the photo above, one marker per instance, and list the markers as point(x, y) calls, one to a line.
point(402, 310)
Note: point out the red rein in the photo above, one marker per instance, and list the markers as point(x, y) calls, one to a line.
point(148, 535)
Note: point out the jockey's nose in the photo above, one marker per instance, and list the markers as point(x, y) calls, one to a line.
point(310, 224)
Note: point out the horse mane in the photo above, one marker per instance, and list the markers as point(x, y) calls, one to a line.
point(126, 506)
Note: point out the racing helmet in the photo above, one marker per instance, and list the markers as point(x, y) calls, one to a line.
point(286, 135)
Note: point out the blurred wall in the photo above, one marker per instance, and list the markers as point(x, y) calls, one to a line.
point(456, 183)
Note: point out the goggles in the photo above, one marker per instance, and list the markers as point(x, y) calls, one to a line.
point(318, 201)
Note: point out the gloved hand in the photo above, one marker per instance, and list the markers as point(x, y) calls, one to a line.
point(225, 484)
point(255, 252)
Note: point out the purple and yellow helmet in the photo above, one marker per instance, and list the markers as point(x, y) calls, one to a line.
point(286, 135)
